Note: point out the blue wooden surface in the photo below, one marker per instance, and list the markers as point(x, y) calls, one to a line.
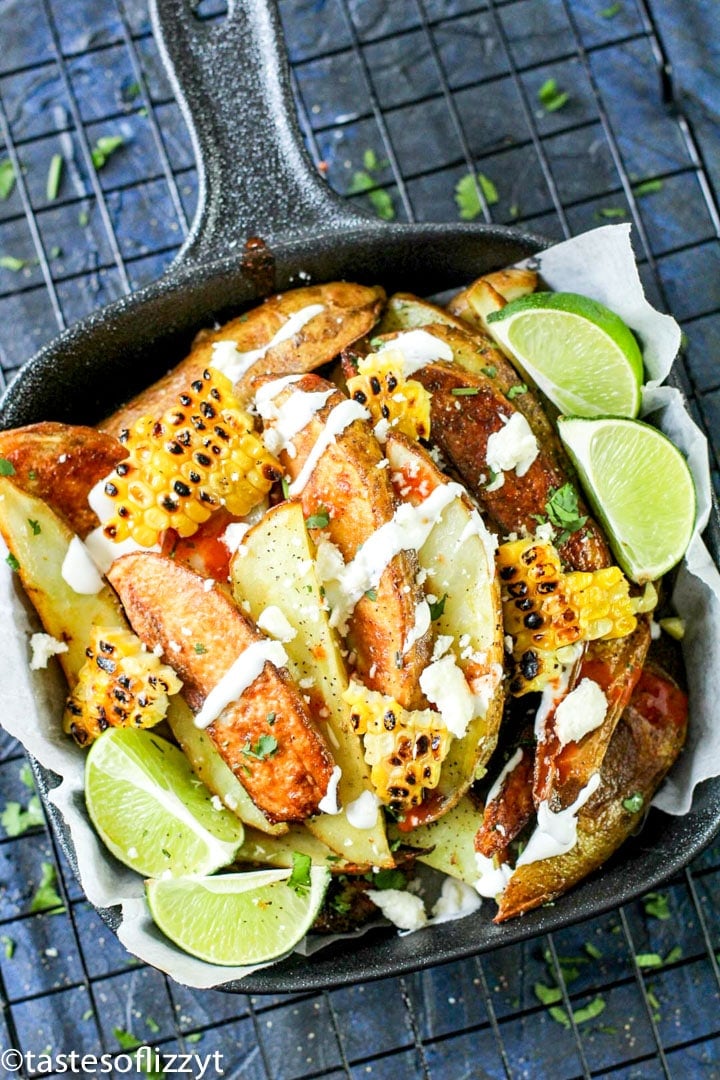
point(421, 84)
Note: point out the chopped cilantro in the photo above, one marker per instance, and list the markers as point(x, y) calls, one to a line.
point(34, 527)
point(104, 148)
point(593, 951)
point(649, 960)
point(388, 879)
point(490, 371)
point(55, 252)
point(152, 1024)
point(656, 905)
point(548, 995)
point(648, 187)
point(200, 649)
point(126, 1040)
point(6, 467)
point(589, 1011)
point(551, 97)
point(83, 218)
point(131, 91)
point(371, 594)
point(340, 905)
point(611, 212)
point(465, 391)
point(88, 1014)
point(17, 821)
point(319, 520)
point(7, 178)
point(437, 609)
point(26, 776)
point(194, 1038)
point(12, 562)
point(634, 803)
point(492, 476)
point(562, 511)
point(371, 163)
point(467, 194)
point(54, 177)
point(516, 391)
point(364, 182)
point(46, 897)
point(382, 204)
point(611, 12)
point(11, 262)
point(285, 488)
point(674, 954)
point(265, 747)
point(8, 946)
point(270, 718)
point(559, 1015)
point(299, 879)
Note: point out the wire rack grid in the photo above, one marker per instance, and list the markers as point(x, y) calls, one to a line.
point(398, 103)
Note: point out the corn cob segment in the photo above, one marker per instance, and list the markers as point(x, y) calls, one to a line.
point(403, 403)
point(119, 685)
point(198, 456)
point(545, 609)
point(405, 749)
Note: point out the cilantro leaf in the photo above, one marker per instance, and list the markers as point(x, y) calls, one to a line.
point(8, 946)
point(12, 562)
point(589, 1011)
point(12, 263)
point(490, 371)
point(649, 960)
point(551, 97)
point(54, 177)
point(16, 821)
point(299, 879)
point(318, 520)
point(199, 648)
point(610, 212)
point(611, 12)
point(634, 803)
point(126, 1039)
point(104, 148)
point(46, 897)
point(657, 905)
point(516, 391)
point(34, 527)
point(6, 467)
point(371, 594)
point(437, 609)
point(465, 391)
point(7, 178)
point(388, 879)
point(265, 747)
point(562, 511)
point(593, 951)
point(548, 995)
point(648, 187)
point(382, 204)
point(467, 194)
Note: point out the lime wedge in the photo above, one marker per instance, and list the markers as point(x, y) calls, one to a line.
point(237, 918)
point(639, 486)
point(151, 811)
point(579, 353)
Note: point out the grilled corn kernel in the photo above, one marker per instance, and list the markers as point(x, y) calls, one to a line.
point(545, 609)
point(198, 456)
point(119, 685)
point(380, 385)
point(405, 750)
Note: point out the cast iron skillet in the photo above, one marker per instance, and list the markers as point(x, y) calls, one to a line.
point(256, 182)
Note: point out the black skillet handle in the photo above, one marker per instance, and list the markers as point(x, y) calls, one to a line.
point(256, 179)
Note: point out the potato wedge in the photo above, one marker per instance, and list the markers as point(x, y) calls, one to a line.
point(451, 838)
point(349, 311)
point(60, 463)
point(458, 561)
point(489, 292)
point(405, 311)
point(508, 812)
point(168, 606)
point(350, 485)
point(40, 551)
point(645, 744)
point(274, 568)
point(263, 850)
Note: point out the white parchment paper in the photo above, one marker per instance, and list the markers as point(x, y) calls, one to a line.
point(599, 264)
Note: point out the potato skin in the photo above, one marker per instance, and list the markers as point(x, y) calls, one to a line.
point(645, 744)
point(162, 600)
point(358, 495)
point(350, 311)
point(60, 463)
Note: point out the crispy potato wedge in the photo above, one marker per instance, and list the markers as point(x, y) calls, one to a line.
point(457, 559)
point(489, 292)
point(351, 485)
point(461, 428)
point(168, 606)
point(405, 311)
point(562, 772)
point(40, 550)
point(263, 850)
point(507, 814)
point(451, 838)
point(645, 744)
point(274, 568)
point(350, 311)
point(60, 463)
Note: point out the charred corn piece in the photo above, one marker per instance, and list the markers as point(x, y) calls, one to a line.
point(119, 685)
point(198, 456)
point(403, 403)
point(545, 610)
point(405, 750)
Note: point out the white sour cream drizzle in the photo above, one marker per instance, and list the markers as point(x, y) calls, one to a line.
point(493, 879)
point(507, 769)
point(340, 417)
point(292, 416)
point(231, 362)
point(79, 571)
point(418, 348)
point(423, 618)
point(241, 674)
point(556, 834)
point(583, 710)
point(329, 802)
point(362, 812)
point(552, 694)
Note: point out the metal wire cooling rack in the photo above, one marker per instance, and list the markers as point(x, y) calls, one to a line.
point(398, 103)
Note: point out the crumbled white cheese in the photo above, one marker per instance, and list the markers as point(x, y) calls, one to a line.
point(423, 619)
point(233, 535)
point(546, 532)
point(329, 803)
point(445, 686)
point(514, 446)
point(382, 430)
point(456, 901)
point(361, 813)
point(43, 647)
point(442, 644)
point(583, 710)
point(403, 909)
point(217, 803)
point(273, 621)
